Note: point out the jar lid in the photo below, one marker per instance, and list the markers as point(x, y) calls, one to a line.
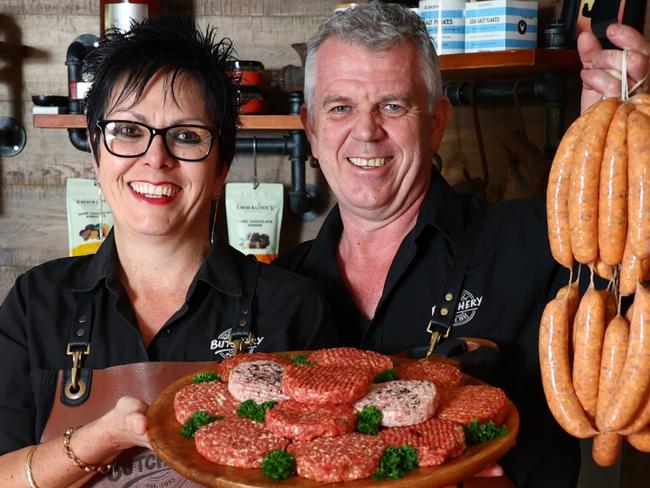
point(244, 65)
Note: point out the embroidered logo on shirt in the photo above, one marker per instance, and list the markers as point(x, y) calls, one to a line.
point(467, 308)
point(223, 349)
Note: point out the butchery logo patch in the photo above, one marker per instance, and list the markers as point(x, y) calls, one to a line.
point(467, 307)
point(146, 469)
point(224, 349)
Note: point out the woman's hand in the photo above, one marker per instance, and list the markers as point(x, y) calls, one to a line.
point(126, 424)
point(601, 72)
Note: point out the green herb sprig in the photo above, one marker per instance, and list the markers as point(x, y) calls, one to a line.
point(252, 410)
point(197, 420)
point(279, 465)
point(386, 375)
point(396, 462)
point(368, 420)
point(299, 359)
point(205, 377)
point(476, 433)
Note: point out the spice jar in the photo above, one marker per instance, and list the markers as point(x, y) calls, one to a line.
point(252, 100)
point(251, 73)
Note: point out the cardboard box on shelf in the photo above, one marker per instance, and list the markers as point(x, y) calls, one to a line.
point(496, 25)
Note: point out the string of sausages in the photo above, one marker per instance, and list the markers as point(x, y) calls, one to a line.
point(595, 361)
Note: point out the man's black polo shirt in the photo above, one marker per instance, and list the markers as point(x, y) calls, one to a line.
point(510, 279)
point(289, 313)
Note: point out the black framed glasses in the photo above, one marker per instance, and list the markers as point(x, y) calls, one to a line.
point(128, 139)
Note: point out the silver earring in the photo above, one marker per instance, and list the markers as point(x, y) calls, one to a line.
point(214, 218)
point(101, 211)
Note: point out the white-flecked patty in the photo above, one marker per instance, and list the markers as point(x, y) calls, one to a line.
point(258, 380)
point(402, 402)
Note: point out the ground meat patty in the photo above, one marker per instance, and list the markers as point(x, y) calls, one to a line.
point(238, 442)
point(465, 403)
point(402, 402)
point(258, 380)
point(343, 458)
point(436, 440)
point(325, 384)
point(350, 356)
point(301, 421)
point(212, 396)
point(442, 373)
point(226, 366)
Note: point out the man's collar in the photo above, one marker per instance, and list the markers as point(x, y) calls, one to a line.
point(441, 208)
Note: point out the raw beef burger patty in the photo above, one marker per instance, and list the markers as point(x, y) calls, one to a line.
point(301, 421)
point(325, 384)
point(443, 374)
point(227, 365)
point(259, 381)
point(436, 440)
point(343, 458)
point(238, 442)
point(350, 356)
point(401, 402)
point(212, 396)
point(464, 403)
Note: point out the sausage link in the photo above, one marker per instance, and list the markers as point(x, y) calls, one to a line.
point(638, 141)
point(641, 99)
point(590, 330)
point(612, 197)
point(640, 419)
point(611, 365)
point(557, 194)
point(606, 448)
point(556, 372)
point(630, 270)
point(572, 294)
point(641, 440)
point(644, 109)
point(635, 377)
point(603, 269)
point(585, 182)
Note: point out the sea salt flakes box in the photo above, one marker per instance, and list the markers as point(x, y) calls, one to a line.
point(445, 24)
point(496, 25)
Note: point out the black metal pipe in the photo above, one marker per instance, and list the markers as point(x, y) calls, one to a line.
point(463, 93)
point(279, 145)
point(74, 57)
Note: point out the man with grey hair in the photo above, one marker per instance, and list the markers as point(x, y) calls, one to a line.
point(402, 254)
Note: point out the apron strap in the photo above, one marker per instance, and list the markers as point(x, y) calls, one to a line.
point(241, 333)
point(444, 310)
point(76, 381)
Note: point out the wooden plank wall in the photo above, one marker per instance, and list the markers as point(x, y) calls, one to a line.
point(32, 184)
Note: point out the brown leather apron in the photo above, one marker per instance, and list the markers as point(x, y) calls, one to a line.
point(135, 467)
point(96, 391)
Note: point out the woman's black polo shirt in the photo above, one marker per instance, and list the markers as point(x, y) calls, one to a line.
point(510, 279)
point(289, 314)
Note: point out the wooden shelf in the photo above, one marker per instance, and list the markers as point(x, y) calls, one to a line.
point(508, 63)
point(515, 62)
point(249, 122)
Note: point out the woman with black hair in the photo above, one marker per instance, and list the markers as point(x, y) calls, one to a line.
point(163, 289)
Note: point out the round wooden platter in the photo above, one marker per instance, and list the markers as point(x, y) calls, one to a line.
point(179, 453)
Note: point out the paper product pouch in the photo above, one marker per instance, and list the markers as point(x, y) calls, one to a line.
point(254, 218)
point(86, 230)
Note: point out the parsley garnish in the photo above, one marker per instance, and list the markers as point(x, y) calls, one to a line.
point(476, 433)
point(279, 464)
point(299, 359)
point(386, 375)
point(396, 462)
point(197, 420)
point(250, 409)
point(368, 420)
point(205, 377)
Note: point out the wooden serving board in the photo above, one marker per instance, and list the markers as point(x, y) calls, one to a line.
point(179, 453)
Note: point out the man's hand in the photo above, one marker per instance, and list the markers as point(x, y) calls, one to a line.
point(601, 68)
